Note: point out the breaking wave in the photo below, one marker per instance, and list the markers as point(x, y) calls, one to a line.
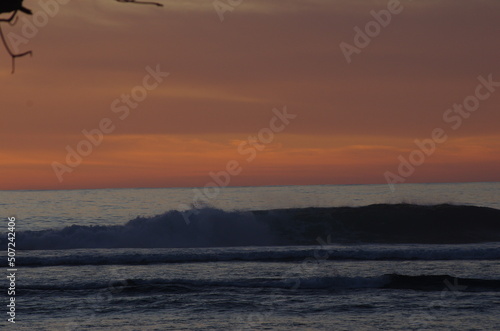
point(209, 227)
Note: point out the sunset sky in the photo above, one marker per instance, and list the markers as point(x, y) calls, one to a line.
point(225, 78)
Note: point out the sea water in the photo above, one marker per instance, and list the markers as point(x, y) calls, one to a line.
point(127, 259)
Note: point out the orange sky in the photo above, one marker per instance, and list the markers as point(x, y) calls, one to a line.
point(353, 120)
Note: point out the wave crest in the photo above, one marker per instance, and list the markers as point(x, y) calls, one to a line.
point(209, 227)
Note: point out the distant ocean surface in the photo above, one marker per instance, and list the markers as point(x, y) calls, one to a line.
point(346, 257)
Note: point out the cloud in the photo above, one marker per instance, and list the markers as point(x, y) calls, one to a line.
point(227, 76)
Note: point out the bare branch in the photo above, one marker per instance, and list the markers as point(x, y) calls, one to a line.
point(4, 41)
point(17, 6)
point(9, 20)
point(142, 2)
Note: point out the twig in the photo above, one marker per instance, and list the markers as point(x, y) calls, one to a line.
point(12, 55)
point(142, 2)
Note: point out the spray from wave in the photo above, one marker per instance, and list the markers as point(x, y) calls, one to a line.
point(209, 227)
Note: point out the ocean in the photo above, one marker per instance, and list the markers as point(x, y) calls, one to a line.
point(345, 257)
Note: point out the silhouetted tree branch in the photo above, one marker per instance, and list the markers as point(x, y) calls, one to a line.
point(142, 2)
point(7, 6)
point(13, 6)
